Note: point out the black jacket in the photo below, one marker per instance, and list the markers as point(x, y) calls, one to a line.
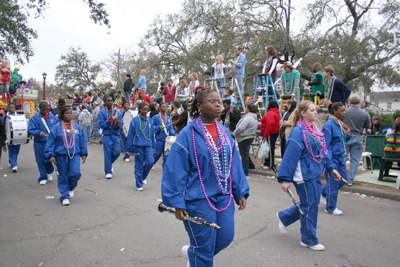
point(2, 135)
point(234, 118)
point(128, 85)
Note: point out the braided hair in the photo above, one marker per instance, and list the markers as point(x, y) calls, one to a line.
point(198, 99)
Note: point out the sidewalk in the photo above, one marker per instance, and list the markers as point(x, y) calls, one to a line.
point(358, 187)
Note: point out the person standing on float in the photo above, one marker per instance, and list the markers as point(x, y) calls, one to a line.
point(39, 127)
point(210, 178)
point(303, 163)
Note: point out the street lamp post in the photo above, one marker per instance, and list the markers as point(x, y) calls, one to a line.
point(44, 85)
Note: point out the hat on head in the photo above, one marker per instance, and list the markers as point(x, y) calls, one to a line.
point(76, 92)
point(397, 119)
point(288, 63)
point(170, 80)
point(61, 101)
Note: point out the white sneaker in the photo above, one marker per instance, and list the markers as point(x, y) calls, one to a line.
point(336, 212)
point(247, 177)
point(144, 182)
point(282, 228)
point(139, 189)
point(15, 169)
point(71, 193)
point(266, 168)
point(185, 255)
point(317, 247)
point(49, 177)
point(322, 201)
point(66, 202)
point(127, 160)
point(108, 176)
point(43, 182)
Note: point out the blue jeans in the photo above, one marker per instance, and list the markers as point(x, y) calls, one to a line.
point(240, 77)
point(86, 131)
point(355, 148)
point(221, 82)
point(95, 126)
point(127, 97)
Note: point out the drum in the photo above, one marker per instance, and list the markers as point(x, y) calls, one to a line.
point(127, 118)
point(168, 144)
point(16, 128)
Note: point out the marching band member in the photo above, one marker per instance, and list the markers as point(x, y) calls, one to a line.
point(162, 128)
point(127, 156)
point(205, 191)
point(39, 127)
point(65, 145)
point(13, 150)
point(303, 163)
point(140, 142)
point(110, 121)
point(336, 134)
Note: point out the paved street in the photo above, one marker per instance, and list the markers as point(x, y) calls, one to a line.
point(109, 223)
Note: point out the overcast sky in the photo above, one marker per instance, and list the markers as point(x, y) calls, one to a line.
point(66, 23)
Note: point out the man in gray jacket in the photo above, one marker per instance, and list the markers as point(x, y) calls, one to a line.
point(85, 121)
point(357, 120)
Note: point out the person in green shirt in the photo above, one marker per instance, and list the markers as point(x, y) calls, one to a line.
point(317, 82)
point(290, 80)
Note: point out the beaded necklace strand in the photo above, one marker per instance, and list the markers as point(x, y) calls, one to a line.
point(317, 137)
point(143, 128)
point(222, 170)
point(66, 134)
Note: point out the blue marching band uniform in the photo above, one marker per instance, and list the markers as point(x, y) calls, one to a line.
point(298, 168)
point(13, 150)
point(111, 142)
point(181, 188)
point(160, 135)
point(68, 160)
point(141, 142)
point(335, 142)
point(39, 124)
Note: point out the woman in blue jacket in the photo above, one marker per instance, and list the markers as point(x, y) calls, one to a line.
point(303, 163)
point(162, 128)
point(142, 81)
point(65, 145)
point(337, 134)
point(141, 143)
point(202, 175)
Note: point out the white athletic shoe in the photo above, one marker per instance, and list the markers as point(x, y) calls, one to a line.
point(71, 193)
point(139, 189)
point(317, 247)
point(49, 177)
point(336, 212)
point(322, 201)
point(144, 182)
point(282, 228)
point(65, 202)
point(265, 168)
point(108, 176)
point(127, 160)
point(185, 255)
point(15, 169)
point(43, 182)
point(247, 177)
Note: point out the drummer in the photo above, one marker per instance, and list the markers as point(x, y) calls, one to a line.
point(13, 150)
point(39, 127)
point(162, 128)
point(127, 156)
point(110, 121)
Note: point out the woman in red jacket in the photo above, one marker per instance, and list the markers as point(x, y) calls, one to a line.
point(270, 132)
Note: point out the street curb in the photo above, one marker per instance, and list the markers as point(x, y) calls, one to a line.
point(353, 189)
